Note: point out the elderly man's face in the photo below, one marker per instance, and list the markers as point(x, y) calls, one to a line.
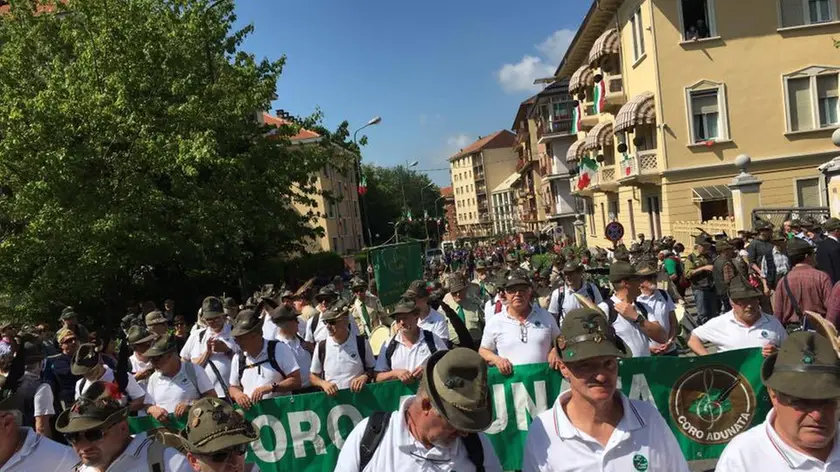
point(98, 448)
point(435, 428)
point(594, 379)
point(807, 424)
point(748, 309)
point(574, 278)
point(406, 322)
point(519, 296)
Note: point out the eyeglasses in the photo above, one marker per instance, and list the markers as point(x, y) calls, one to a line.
point(91, 435)
point(224, 455)
point(523, 333)
point(804, 404)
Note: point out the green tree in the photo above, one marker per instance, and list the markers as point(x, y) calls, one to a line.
point(132, 161)
point(384, 203)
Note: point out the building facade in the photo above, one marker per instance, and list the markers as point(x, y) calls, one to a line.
point(474, 171)
point(340, 220)
point(669, 92)
point(450, 215)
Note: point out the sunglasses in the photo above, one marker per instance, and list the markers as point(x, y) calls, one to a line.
point(91, 435)
point(803, 404)
point(224, 454)
point(331, 322)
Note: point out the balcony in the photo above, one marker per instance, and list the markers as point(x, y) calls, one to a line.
point(608, 183)
point(587, 191)
point(590, 118)
point(559, 127)
point(640, 168)
point(615, 95)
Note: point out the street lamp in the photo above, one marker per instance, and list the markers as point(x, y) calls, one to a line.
point(423, 207)
point(373, 121)
point(402, 184)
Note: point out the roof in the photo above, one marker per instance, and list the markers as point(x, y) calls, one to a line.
point(522, 111)
point(596, 21)
point(499, 139)
point(301, 135)
point(509, 182)
point(446, 192)
point(5, 8)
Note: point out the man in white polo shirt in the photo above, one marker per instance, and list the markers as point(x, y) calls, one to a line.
point(344, 359)
point(659, 304)
point(593, 426)
point(175, 383)
point(404, 355)
point(523, 333)
point(744, 326)
point(87, 362)
point(428, 318)
point(563, 299)
point(316, 329)
point(212, 347)
point(263, 369)
point(631, 320)
point(288, 321)
point(800, 432)
point(498, 300)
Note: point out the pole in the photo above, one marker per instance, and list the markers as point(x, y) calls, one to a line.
point(362, 198)
point(423, 207)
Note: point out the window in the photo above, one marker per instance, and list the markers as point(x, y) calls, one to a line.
point(812, 99)
point(808, 192)
point(710, 210)
point(706, 102)
point(335, 244)
point(613, 210)
point(638, 34)
point(632, 218)
point(806, 12)
point(654, 217)
point(331, 210)
point(697, 19)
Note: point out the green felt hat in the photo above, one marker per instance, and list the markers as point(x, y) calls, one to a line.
point(98, 408)
point(798, 247)
point(456, 382)
point(162, 345)
point(572, 265)
point(282, 313)
point(457, 283)
point(139, 335)
point(155, 318)
point(805, 366)
point(336, 311)
point(622, 270)
point(212, 308)
point(588, 334)
point(245, 322)
point(740, 289)
point(518, 278)
point(358, 283)
point(327, 293)
point(85, 359)
point(212, 425)
point(833, 224)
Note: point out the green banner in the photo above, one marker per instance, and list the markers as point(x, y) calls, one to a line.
point(706, 401)
point(394, 267)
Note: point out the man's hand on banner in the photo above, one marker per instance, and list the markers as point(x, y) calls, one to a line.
point(242, 400)
point(330, 388)
point(358, 383)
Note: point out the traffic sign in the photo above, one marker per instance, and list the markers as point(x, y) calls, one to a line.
point(614, 231)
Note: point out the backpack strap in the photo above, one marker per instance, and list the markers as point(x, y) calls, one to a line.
point(272, 357)
point(664, 294)
point(475, 450)
point(322, 354)
point(389, 351)
point(612, 314)
point(371, 438)
point(430, 341)
point(201, 335)
point(314, 324)
point(241, 366)
point(154, 456)
point(189, 369)
point(590, 292)
point(360, 346)
point(794, 303)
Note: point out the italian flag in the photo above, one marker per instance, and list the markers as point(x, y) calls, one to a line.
point(363, 186)
point(587, 168)
point(576, 116)
point(600, 91)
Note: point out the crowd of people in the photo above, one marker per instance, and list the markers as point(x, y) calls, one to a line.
point(66, 396)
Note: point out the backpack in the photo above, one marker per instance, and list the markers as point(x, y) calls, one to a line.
point(272, 360)
point(613, 314)
point(360, 346)
point(428, 337)
point(378, 424)
point(189, 369)
point(314, 323)
point(562, 297)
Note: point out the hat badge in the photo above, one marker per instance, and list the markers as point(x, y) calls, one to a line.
point(454, 382)
point(808, 357)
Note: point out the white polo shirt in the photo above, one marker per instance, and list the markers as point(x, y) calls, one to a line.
point(168, 392)
point(570, 301)
point(264, 374)
point(40, 454)
point(321, 332)
point(642, 440)
point(660, 307)
point(138, 366)
point(436, 323)
point(135, 458)
point(761, 448)
point(302, 356)
point(222, 362)
point(629, 332)
point(408, 358)
point(343, 361)
point(133, 389)
point(400, 451)
point(727, 333)
point(504, 336)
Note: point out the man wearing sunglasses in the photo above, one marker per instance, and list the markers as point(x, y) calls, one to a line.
point(403, 356)
point(97, 428)
point(176, 384)
point(316, 329)
point(523, 333)
point(216, 437)
point(367, 309)
point(344, 359)
point(213, 347)
point(58, 367)
point(87, 362)
point(800, 432)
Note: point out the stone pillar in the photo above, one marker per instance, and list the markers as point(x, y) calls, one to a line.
point(831, 171)
point(745, 194)
point(580, 231)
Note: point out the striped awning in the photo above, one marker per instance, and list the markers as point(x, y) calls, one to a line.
point(606, 45)
point(581, 79)
point(601, 135)
point(640, 110)
point(576, 150)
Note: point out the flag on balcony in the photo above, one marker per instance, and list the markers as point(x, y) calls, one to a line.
point(587, 169)
point(363, 186)
point(577, 113)
point(600, 92)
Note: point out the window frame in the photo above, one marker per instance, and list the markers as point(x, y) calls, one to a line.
point(637, 30)
point(806, 15)
point(723, 110)
point(711, 21)
point(820, 190)
point(812, 73)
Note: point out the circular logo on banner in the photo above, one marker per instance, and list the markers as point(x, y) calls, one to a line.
point(711, 404)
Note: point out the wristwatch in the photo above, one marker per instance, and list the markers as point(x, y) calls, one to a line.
point(274, 387)
point(639, 319)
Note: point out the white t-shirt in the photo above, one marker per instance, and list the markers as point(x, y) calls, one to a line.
point(727, 333)
point(39, 454)
point(133, 389)
point(343, 361)
point(490, 307)
point(135, 458)
point(436, 323)
point(222, 362)
point(660, 307)
point(44, 399)
point(408, 358)
point(637, 341)
point(504, 336)
point(321, 332)
point(263, 373)
point(570, 301)
point(138, 366)
point(641, 438)
point(399, 451)
point(168, 392)
point(192, 339)
point(761, 448)
point(302, 356)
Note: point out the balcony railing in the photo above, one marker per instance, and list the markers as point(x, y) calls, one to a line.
point(560, 126)
point(607, 174)
point(589, 118)
point(615, 90)
point(641, 163)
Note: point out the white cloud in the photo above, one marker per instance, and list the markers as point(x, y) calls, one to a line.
point(520, 77)
point(458, 142)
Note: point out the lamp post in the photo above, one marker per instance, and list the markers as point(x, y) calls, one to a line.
point(373, 121)
point(423, 207)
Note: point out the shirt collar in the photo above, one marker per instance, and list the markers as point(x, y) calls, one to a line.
point(407, 444)
point(794, 459)
point(764, 319)
point(563, 427)
point(528, 318)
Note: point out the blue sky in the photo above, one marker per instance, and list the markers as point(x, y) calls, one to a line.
point(440, 73)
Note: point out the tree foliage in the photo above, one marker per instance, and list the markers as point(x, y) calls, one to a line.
point(131, 161)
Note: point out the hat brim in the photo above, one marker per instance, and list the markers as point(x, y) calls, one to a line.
point(64, 424)
point(212, 315)
point(326, 297)
point(744, 295)
point(470, 422)
point(457, 288)
point(807, 385)
point(151, 337)
point(152, 352)
point(154, 323)
point(589, 349)
point(76, 369)
point(222, 442)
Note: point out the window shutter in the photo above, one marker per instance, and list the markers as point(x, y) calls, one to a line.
point(792, 13)
point(801, 110)
point(808, 192)
point(704, 103)
point(827, 86)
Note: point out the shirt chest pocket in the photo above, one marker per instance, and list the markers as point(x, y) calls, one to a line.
point(349, 356)
point(539, 332)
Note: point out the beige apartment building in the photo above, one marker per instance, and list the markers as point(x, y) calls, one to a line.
point(671, 91)
point(341, 219)
point(476, 170)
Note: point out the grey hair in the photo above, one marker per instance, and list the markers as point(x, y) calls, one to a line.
point(17, 415)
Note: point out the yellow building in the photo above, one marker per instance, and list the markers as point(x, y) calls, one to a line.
point(340, 219)
point(671, 91)
point(476, 170)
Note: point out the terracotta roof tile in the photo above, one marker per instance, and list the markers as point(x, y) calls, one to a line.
point(499, 139)
point(301, 135)
point(446, 191)
point(5, 8)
